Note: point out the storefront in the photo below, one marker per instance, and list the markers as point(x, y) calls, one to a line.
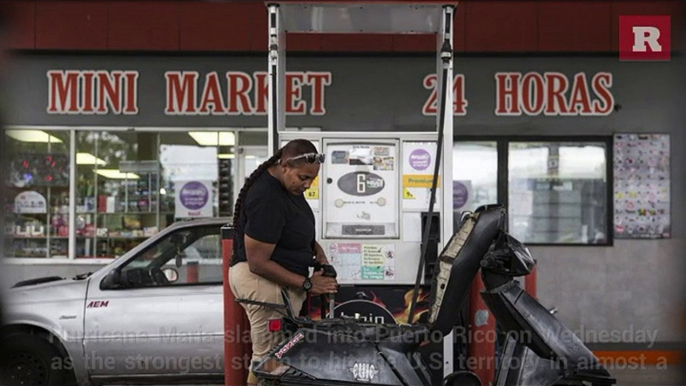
point(126, 185)
point(108, 150)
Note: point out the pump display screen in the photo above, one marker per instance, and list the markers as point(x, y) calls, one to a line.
point(361, 188)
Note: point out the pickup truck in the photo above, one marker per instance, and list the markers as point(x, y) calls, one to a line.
point(154, 315)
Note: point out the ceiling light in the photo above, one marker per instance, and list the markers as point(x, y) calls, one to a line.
point(226, 156)
point(213, 138)
point(32, 136)
point(115, 174)
point(88, 159)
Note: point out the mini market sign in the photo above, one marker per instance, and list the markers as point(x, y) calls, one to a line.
point(187, 93)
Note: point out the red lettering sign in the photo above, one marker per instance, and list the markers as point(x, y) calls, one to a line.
point(294, 93)
point(556, 87)
point(92, 92)
point(245, 94)
point(459, 101)
point(261, 92)
point(553, 94)
point(131, 92)
point(63, 92)
point(318, 80)
point(507, 100)
point(109, 92)
point(240, 85)
point(181, 92)
point(212, 101)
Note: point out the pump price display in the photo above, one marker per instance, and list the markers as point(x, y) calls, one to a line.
point(361, 190)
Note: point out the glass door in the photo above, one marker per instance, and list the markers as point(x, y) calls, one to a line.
point(249, 158)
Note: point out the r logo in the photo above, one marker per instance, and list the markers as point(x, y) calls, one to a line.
point(644, 38)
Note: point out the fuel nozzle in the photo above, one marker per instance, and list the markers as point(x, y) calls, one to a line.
point(328, 271)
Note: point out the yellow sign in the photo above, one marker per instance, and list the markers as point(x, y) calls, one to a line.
point(407, 194)
point(419, 181)
point(312, 193)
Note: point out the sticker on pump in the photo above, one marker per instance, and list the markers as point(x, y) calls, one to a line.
point(361, 183)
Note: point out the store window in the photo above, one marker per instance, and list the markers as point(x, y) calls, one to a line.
point(128, 185)
point(37, 193)
point(197, 174)
point(116, 196)
point(556, 191)
point(474, 183)
point(132, 184)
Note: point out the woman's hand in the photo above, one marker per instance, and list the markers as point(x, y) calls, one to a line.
point(322, 285)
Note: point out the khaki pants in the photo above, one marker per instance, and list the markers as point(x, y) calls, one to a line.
point(246, 285)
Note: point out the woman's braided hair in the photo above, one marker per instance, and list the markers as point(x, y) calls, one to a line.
point(293, 148)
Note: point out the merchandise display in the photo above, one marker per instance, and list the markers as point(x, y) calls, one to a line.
point(642, 186)
point(119, 215)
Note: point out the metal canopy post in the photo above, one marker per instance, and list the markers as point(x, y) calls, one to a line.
point(382, 17)
point(277, 78)
point(444, 72)
point(445, 67)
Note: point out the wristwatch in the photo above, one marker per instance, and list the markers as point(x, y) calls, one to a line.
point(307, 284)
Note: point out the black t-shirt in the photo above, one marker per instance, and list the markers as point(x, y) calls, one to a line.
point(269, 213)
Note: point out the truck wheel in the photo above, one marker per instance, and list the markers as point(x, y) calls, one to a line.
point(32, 360)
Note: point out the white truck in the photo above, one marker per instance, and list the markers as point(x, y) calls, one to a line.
point(154, 315)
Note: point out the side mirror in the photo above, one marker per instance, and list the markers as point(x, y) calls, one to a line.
point(112, 280)
point(171, 274)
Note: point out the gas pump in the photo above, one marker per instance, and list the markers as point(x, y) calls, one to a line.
point(379, 194)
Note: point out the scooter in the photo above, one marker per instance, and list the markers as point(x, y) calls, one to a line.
point(539, 350)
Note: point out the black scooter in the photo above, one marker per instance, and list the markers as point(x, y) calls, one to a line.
point(539, 350)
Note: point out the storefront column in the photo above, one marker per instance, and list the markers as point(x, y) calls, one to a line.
point(71, 241)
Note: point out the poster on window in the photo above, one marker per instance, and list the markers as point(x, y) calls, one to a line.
point(642, 186)
point(361, 190)
point(193, 199)
point(360, 261)
point(30, 202)
point(419, 161)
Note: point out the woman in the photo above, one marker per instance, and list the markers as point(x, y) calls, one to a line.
point(275, 241)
